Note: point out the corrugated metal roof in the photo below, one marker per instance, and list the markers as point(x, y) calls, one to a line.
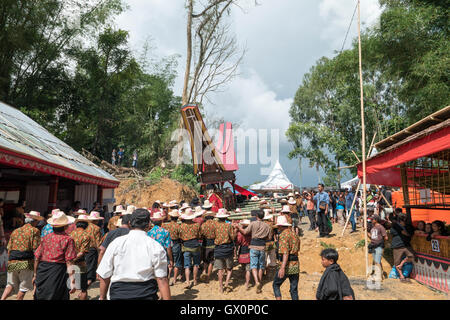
point(22, 135)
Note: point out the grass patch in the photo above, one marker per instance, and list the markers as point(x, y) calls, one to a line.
point(327, 246)
point(360, 244)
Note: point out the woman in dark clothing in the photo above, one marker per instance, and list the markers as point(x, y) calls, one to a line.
point(334, 284)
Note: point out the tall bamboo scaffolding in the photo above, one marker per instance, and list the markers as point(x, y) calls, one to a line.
point(363, 140)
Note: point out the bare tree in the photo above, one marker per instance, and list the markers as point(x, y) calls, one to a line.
point(213, 48)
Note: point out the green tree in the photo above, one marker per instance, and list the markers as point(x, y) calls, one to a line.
point(402, 84)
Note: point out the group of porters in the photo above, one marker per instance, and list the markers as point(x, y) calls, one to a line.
point(144, 248)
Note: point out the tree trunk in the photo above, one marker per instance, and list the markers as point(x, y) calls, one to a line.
point(184, 97)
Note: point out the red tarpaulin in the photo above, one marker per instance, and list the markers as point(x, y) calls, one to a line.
point(382, 169)
point(243, 191)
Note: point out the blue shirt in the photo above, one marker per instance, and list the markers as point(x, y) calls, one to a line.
point(46, 230)
point(162, 236)
point(349, 200)
point(321, 196)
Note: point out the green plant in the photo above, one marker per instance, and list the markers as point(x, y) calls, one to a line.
point(327, 246)
point(185, 175)
point(156, 175)
point(360, 244)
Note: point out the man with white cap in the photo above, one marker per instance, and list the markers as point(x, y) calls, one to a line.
point(288, 247)
point(53, 258)
point(134, 266)
point(22, 244)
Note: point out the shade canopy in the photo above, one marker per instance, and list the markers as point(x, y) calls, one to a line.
point(277, 181)
point(383, 168)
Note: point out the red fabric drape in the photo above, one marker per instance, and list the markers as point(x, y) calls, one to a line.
point(243, 191)
point(383, 169)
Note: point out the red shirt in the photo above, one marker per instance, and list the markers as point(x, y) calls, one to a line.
point(56, 247)
point(216, 202)
point(242, 240)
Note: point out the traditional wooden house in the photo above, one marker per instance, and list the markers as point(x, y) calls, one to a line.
point(37, 167)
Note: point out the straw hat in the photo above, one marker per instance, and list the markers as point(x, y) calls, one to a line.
point(267, 214)
point(60, 219)
point(130, 209)
point(158, 216)
point(34, 215)
point(158, 202)
point(254, 198)
point(292, 200)
point(119, 209)
point(199, 211)
point(95, 215)
point(282, 222)
point(165, 205)
point(222, 213)
point(80, 211)
point(245, 222)
point(210, 214)
point(174, 213)
point(286, 209)
point(82, 218)
point(290, 195)
point(185, 206)
point(188, 214)
point(173, 203)
point(238, 210)
point(55, 211)
point(207, 205)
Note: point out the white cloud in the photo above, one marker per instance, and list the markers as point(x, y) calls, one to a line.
point(336, 16)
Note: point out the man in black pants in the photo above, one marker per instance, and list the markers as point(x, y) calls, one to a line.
point(322, 201)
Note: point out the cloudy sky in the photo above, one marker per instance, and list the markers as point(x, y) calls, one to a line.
point(283, 38)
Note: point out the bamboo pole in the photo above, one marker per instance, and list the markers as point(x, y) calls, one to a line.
point(351, 208)
point(363, 139)
point(356, 156)
point(371, 145)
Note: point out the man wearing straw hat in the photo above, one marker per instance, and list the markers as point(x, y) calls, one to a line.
point(117, 213)
point(134, 266)
point(94, 231)
point(22, 244)
point(207, 232)
point(288, 247)
point(260, 233)
point(53, 258)
point(82, 244)
point(174, 230)
point(48, 227)
point(224, 235)
point(161, 235)
point(294, 214)
point(190, 236)
point(271, 257)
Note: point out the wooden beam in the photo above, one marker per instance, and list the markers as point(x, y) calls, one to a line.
point(356, 156)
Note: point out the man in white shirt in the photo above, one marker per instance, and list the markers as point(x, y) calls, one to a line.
point(134, 264)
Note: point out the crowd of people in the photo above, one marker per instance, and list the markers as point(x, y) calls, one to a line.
point(118, 158)
point(139, 253)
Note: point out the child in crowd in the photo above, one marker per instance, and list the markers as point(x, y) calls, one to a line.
point(334, 284)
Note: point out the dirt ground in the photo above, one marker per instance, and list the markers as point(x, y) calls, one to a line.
point(165, 190)
point(351, 260)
